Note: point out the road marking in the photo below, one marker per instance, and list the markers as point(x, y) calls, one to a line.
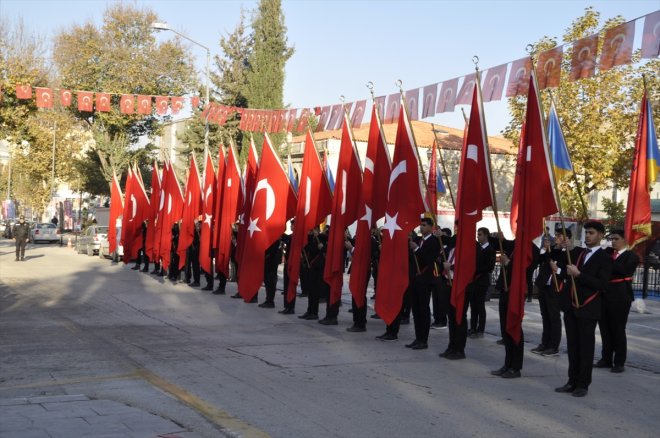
point(221, 418)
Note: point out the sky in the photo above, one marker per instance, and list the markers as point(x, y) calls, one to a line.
point(342, 45)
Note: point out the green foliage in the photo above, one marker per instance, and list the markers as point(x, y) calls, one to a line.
point(598, 115)
point(616, 213)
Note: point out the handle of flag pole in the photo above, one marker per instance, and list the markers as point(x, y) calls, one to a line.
point(399, 84)
point(370, 86)
point(475, 60)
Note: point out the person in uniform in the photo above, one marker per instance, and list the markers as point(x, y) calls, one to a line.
point(192, 271)
point(591, 272)
point(222, 278)
point(426, 252)
point(477, 289)
point(313, 263)
point(289, 306)
point(142, 256)
point(173, 272)
point(617, 298)
point(360, 313)
point(21, 233)
point(441, 292)
point(272, 260)
point(332, 309)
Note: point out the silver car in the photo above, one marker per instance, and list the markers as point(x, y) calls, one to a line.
point(89, 241)
point(45, 232)
point(104, 249)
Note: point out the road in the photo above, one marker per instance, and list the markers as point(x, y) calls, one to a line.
point(71, 324)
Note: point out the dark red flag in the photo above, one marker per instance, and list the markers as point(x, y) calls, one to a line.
point(273, 204)
point(130, 209)
point(494, 83)
point(515, 195)
point(519, 77)
point(226, 210)
point(358, 113)
point(617, 47)
point(154, 205)
point(651, 36)
point(430, 97)
point(23, 92)
point(412, 100)
point(303, 120)
point(291, 123)
point(432, 182)
point(323, 118)
point(103, 102)
point(194, 102)
point(447, 97)
point(345, 208)
point(116, 210)
point(173, 209)
point(144, 104)
point(177, 104)
point(314, 204)
point(65, 97)
point(250, 182)
point(160, 216)
point(85, 101)
point(474, 194)
point(140, 209)
point(208, 209)
point(583, 60)
point(548, 68)
point(464, 96)
point(392, 109)
point(405, 205)
point(127, 104)
point(536, 200)
point(44, 97)
point(373, 201)
point(192, 210)
point(162, 105)
point(335, 117)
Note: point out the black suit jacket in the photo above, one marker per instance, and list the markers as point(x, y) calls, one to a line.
point(484, 266)
point(427, 254)
point(624, 266)
point(592, 282)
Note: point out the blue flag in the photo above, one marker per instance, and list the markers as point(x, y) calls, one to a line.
point(292, 175)
point(561, 161)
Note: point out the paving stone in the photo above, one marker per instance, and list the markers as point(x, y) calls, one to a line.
point(58, 398)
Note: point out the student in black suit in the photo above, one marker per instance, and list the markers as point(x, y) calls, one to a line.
point(617, 298)
point(477, 289)
point(591, 272)
point(426, 252)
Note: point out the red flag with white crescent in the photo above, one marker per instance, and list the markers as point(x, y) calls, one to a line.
point(191, 211)
point(229, 198)
point(208, 205)
point(250, 181)
point(44, 97)
point(129, 210)
point(154, 204)
point(116, 210)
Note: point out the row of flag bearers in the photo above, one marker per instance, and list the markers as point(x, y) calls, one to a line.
point(241, 217)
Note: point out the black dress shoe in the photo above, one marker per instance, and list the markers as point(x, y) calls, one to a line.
point(302, 295)
point(267, 305)
point(412, 344)
point(511, 374)
point(287, 312)
point(445, 353)
point(311, 317)
point(567, 388)
point(374, 316)
point(328, 321)
point(388, 337)
point(356, 329)
point(602, 364)
point(579, 392)
point(618, 369)
point(145, 270)
point(194, 284)
point(304, 315)
point(420, 346)
point(236, 295)
point(208, 287)
point(499, 372)
point(219, 292)
point(455, 355)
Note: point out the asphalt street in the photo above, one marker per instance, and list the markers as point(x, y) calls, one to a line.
point(215, 366)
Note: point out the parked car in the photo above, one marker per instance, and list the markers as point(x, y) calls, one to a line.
point(104, 248)
point(45, 232)
point(89, 241)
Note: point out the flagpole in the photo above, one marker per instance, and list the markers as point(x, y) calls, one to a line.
point(444, 169)
point(475, 59)
point(574, 296)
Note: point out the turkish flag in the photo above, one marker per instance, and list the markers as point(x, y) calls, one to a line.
point(273, 204)
point(126, 232)
point(85, 101)
point(519, 77)
point(44, 97)
point(393, 107)
point(373, 201)
point(494, 83)
point(177, 104)
point(103, 102)
point(536, 200)
point(515, 196)
point(144, 104)
point(617, 47)
point(116, 210)
point(314, 205)
point(191, 211)
point(447, 97)
point(464, 96)
point(474, 194)
point(358, 113)
point(194, 102)
point(380, 106)
point(548, 68)
point(583, 61)
point(173, 210)
point(412, 100)
point(323, 118)
point(335, 117)
point(432, 182)
point(250, 182)
point(139, 209)
point(405, 205)
point(345, 209)
point(162, 105)
point(208, 209)
point(127, 104)
point(430, 97)
point(303, 120)
point(291, 123)
point(228, 200)
point(23, 92)
point(65, 97)
point(160, 216)
point(651, 36)
point(154, 205)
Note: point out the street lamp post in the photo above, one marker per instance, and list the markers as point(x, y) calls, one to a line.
point(165, 26)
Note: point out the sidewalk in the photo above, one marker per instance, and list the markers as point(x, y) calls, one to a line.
point(68, 416)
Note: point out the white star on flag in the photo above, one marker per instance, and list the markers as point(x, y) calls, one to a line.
point(391, 225)
point(367, 215)
point(253, 226)
point(207, 219)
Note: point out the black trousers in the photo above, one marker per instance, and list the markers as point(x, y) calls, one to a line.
point(551, 317)
point(209, 279)
point(288, 304)
point(580, 340)
point(222, 281)
point(458, 333)
point(513, 353)
point(360, 313)
point(421, 299)
point(441, 295)
point(20, 248)
point(270, 282)
point(612, 327)
point(192, 269)
point(142, 258)
point(404, 313)
point(477, 307)
point(315, 290)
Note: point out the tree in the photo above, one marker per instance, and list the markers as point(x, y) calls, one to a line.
point(598, 114)
point(269, 55)
point(121, 56)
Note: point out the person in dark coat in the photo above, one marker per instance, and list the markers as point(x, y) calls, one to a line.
point(477, 289)
point(616, 302)
point(272, 260)
point(21, 233)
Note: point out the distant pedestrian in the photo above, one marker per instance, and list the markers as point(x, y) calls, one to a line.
point(54, 220)
point(21, 234)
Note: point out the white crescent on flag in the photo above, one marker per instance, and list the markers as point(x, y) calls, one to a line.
point(270, 196)
point(396, 172)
